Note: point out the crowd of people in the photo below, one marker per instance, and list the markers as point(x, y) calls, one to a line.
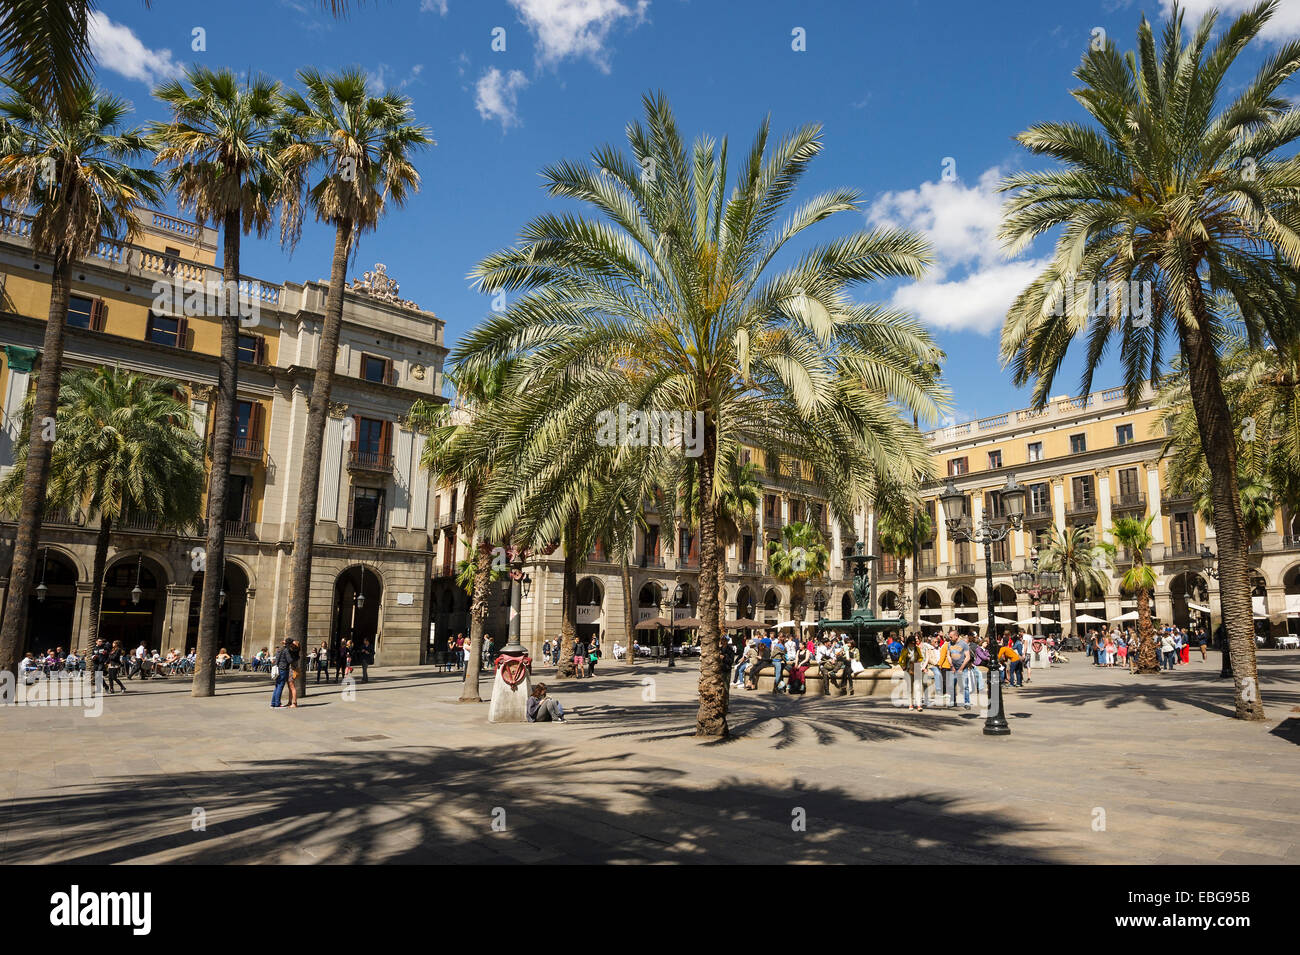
point(1119, 648)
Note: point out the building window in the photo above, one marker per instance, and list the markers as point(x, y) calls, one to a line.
point(1040, 498)
point(1123, 434)
point(239, 498)
point(252, 349)
point(995, 460)
point(1128, 483)
point(367, 509)
point(957, 466)
point(1035, 450)
point(370, 436)
point(1184, 533)
point(85, 313)
point(1081, 491)
point(165, 330)
point(375, 369)
point(1078, 443)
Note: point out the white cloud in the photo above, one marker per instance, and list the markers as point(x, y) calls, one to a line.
point(971, 284)
point(496, 96)
point(428, 6)
point(960, 221)
point(379, 79)
point(575, 28)
point(118, 49)
point(1284, 25)
point(978, 302)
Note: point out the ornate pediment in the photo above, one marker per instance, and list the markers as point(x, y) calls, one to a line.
point(378, 284)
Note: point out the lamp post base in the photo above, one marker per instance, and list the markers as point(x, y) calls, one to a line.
point(995, 724)
point(511, 687)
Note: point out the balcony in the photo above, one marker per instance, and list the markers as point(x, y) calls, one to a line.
point(650, 560)
point(1085, 508)
point(370, 461)
point(961, 570)
point(1183, 550)
point(1291, 542)
point(1001, 566)
point(248, 448)
point(62, 517)
point(1037, 515)
point(1129, 502)
point(928, 570)
point(772, 521)
point(139, 522)
point(363, 537)
point(1183, 497)
point(1124, 557)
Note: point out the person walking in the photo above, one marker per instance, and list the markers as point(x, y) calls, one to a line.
point(322, 662)
point(367, 658)
point(113, 667)
point(959, 661)
point(1167, 649)
point(912, 660)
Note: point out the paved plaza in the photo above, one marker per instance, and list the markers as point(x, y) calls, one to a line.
point(1101, 767)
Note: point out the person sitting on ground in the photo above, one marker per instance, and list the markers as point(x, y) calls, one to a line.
point(542, 708)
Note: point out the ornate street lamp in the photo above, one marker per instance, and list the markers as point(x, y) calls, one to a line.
point(819, 605)
point(678, 593)
point(361, 596)
point(989, 532)
point(520, 583)
point(41, 589)
point(136, 592)
point(1042, 586)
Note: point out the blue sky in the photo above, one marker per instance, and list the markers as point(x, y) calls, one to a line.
point(898, 87)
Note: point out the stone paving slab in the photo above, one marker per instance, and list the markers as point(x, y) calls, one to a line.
point(401, 772)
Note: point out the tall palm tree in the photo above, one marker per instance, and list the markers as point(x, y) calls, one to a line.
point(1134, 534)
point(221, 146)
point(1262, 386)
point(72, 171)
point(1080, 559)
point(668, 300)
point(359, 148)
point(127, 445)
point(1165, 191)
point(799, 556)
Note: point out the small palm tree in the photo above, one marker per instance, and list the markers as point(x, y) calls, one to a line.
point(221, 146)
point(1183, 197)
point(798, 557)
point(127, 445)
point(72, 170)
point(1080, 559)
point(360, 148)
point(1134, 534)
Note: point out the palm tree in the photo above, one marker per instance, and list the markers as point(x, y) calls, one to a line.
point(798, 557)
point(1080, 559)
point(1134, 534)
point(46, 43)
point(73, 172)
point(361, 146)
point(1262, 386)
point(220, 143)
point(127, 445)
point(1184, 202)
point(668, 301)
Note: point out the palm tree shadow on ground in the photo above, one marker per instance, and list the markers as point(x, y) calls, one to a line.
point(430, 804)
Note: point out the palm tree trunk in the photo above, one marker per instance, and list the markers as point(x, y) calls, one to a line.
point(1147, 662)
point(223, 443)
point(711, 719)
point(478, 608)
point(916, 581)
point(1069, 589)
point(97, 581)
point(37, 473)
point(569, 615)
point(902, 583)
point(317, 410)
point(1218, 439)
point(629, 623)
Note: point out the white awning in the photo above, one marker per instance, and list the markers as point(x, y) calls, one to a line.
point(1088, 618)
point(1201, 607)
